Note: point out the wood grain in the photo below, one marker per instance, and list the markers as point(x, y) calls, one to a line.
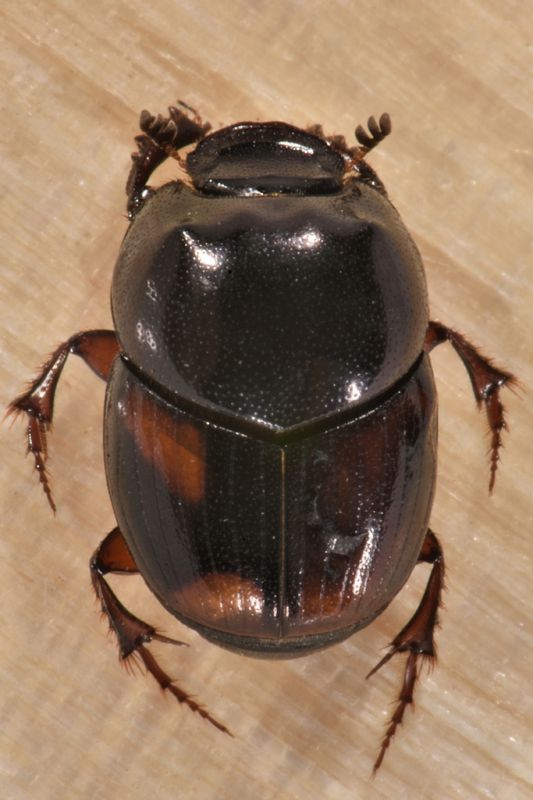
point(456, 78)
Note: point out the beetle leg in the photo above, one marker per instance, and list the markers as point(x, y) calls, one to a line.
point(162, 137)
point(416, 638)
point(369, 176)
point(132, 633)
point(486, 380)
point(144, 161)
point(98, 349)
point(356, 155)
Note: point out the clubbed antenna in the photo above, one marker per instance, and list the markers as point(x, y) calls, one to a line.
point(378, 132)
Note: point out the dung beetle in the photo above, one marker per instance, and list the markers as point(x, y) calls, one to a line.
point(270, 424)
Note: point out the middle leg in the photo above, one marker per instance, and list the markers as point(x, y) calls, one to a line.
point(486, 378)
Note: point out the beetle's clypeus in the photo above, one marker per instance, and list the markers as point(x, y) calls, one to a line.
point(270, 417)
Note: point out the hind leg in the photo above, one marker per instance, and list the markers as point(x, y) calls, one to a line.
point(132, 633)
point(416, 638)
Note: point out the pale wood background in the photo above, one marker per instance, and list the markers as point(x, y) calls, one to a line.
point(457, 79)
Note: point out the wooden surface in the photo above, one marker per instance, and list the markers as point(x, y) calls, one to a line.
point(456, 78)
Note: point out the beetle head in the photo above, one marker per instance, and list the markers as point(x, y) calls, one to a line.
point(265, 158)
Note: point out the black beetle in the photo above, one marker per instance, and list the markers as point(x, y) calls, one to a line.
point(271, 416)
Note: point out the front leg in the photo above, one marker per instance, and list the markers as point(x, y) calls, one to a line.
point(162, 138)
point(486, 380)
point(98, 349)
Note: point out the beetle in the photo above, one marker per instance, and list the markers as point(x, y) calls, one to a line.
point(270, 422)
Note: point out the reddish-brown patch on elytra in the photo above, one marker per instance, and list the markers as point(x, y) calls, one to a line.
point(217, 598)
point(321, 599)
point(175, 448)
